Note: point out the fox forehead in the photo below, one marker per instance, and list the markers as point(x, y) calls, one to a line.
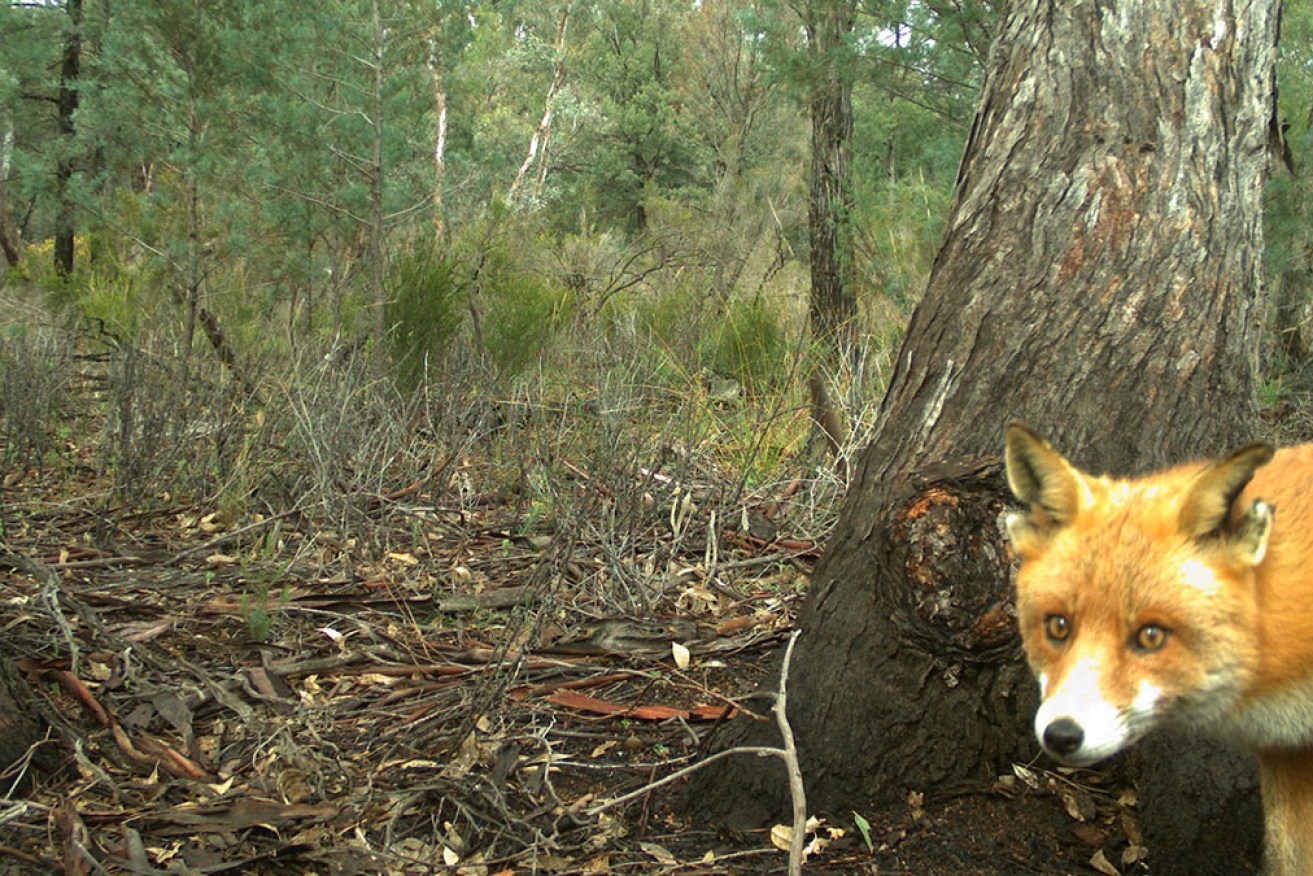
point(1121, 512)
point(1153, 499)
point(1126, 540)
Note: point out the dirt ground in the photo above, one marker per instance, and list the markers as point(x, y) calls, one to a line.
point(253, 696)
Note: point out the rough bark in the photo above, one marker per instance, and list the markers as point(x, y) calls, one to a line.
point(11, 242)
point(833, 306)
point(22, 732)
point(1099, 279)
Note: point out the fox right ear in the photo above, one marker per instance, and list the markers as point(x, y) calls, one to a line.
point(1040, 477)
point(1208, 504)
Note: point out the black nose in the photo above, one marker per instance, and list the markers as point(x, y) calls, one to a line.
point(1063, 736)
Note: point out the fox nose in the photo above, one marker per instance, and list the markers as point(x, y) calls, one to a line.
point(1063, 736)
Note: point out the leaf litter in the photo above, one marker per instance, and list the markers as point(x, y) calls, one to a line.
point(453, 707)
point(273, 695)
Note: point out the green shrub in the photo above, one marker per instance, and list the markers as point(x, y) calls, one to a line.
point(522, 316)
point(423, 310)
point(660, 333)
point(118, 299)
point(749, 345)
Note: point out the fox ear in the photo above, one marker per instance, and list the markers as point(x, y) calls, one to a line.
point(1250, 539)
point(1208, 505)
point(1040, 477)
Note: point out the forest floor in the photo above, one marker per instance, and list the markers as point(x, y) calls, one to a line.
point(425, 634)
point(246, 698)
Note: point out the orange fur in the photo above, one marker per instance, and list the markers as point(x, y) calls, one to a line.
point(1183, 598)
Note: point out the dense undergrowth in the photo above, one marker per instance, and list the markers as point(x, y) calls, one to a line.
point(494, 383)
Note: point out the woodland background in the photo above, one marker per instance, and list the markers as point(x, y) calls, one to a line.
point(319, 319)
point(504, 186)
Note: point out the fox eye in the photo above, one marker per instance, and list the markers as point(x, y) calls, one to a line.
point(1150, 637)
point(1057, 627)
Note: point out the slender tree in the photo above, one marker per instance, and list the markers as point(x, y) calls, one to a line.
point(542, 132)
point(833, 304)
point(1099, 279)
point(438, 82)
point(11, 244)
point(66, 103)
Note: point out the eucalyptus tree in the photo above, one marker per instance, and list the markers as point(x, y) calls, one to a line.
point(1100, 277)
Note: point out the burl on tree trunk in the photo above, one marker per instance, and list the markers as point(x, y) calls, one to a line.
point(1100, 280)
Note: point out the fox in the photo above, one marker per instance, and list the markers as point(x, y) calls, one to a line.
point(1181, 598)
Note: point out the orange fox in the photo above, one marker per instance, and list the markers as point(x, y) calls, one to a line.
point(1180, 598)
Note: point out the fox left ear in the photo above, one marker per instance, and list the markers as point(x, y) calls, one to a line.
point(1207, 507)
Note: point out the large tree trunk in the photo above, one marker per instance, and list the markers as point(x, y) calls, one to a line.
point(1100, 280)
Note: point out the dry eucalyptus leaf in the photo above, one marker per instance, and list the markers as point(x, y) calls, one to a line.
point(683, 657)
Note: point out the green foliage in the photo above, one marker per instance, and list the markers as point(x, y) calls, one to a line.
point(423, 311)
point(1289, 214)
point(256, 159)
point(898, 227)
point(863, 827)
point(260, 606)
point(1288, 226)
point(661, 334)
point(750, 345)
point(643, 139)
point(675, 341)
point(523, 315)
point(259, 621)
point(117, 299)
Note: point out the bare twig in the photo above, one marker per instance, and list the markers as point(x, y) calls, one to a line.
point(788, 753)
point(797, 793)
point(236, 533)
point(51, 590)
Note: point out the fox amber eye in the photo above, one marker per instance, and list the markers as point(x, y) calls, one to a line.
point(1150, 637)
point(1057, 628)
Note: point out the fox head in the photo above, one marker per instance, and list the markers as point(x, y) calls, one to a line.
point(1135, 598)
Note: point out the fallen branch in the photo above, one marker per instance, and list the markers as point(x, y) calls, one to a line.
point(787, 752)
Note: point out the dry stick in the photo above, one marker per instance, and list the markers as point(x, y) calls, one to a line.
point(788, 753)
point(236, 533)
point(51, 589)
point(797, 793)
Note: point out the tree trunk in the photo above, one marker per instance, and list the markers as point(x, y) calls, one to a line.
point(11, 243)
point(538, 141)
point(195, 276)
point(833, 306)
point(67, 103)
point(438, 83)
point(1100, 280)
point(377, 217)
